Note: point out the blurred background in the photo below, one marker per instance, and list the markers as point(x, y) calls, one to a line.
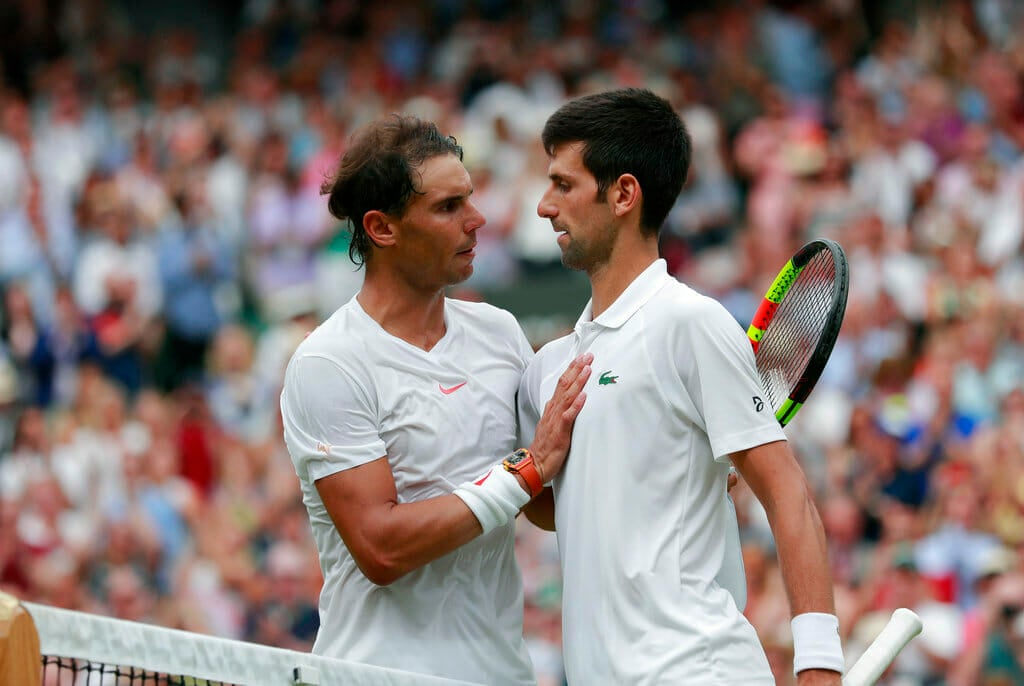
point(164, 246)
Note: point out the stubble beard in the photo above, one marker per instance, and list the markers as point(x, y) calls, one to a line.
point(573, 257)
point(586, 255)
point(457, 276)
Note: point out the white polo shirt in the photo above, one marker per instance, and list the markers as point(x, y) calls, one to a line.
point(640, 506)
point(354, 393)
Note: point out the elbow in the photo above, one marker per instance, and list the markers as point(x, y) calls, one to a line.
point(381, 577)
point(380, 569)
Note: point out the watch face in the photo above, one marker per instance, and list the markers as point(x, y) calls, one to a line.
point(517, 457)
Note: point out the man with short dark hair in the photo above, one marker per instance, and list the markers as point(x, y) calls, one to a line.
point(641, 509)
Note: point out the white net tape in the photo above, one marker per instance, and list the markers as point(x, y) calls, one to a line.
point(105, 641)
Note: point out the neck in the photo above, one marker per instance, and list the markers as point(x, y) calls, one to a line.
point(415, 316)
point(628, 261)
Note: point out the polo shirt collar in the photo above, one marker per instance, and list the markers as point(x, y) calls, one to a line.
point(643, 287)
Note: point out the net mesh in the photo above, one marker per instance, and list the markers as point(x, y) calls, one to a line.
point(80, 649)
point(796, 329)
point(76, 672)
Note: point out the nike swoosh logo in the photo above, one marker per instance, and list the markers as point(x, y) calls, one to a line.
point(449, 391)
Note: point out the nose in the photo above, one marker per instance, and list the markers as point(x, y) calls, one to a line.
point(475, 220)
point(545, 208)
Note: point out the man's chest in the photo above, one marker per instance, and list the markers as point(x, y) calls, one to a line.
point(453, 415)
point(623, 373)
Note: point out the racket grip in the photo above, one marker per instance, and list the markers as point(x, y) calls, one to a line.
point(903, 626)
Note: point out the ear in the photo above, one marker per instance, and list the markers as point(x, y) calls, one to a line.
point(625, 195)
point(379, 228)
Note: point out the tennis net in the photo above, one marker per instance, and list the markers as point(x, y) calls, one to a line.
point(80, 649)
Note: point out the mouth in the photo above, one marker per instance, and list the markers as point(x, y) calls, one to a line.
point(563, 233)
point(468, 252)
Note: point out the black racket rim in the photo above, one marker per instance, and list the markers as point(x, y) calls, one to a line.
point(834, 320)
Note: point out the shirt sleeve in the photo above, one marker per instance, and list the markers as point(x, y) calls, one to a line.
point(330, 418)
point(724, 383)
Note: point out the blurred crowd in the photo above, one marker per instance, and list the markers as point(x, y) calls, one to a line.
point(164, 246)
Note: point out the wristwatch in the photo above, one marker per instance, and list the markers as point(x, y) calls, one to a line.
point(521, 462)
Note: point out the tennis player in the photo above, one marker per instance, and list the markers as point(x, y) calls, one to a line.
point(399, 414)
point(641, 512)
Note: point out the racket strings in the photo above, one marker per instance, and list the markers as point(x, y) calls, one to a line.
point(797, 327)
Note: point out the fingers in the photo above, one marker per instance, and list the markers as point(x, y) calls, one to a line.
point(569, 389)
point(577, 368)
point(577, 384)
point(573, 410)
point(733, 479)
point(554, 431)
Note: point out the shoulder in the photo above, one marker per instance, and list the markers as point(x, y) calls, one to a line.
point(341, 339)
point(331, 365)
point(482, 315)
point(678, 305)
point(494, 331)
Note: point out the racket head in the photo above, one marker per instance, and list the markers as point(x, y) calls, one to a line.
point(797, 323)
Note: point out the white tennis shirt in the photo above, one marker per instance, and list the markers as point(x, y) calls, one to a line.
point(354, 393)
point(640, 506)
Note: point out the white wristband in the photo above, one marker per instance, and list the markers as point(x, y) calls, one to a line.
point(816, 642)
point(494, 499)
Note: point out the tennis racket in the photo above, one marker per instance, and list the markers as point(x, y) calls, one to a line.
point(903, 626)
point(797, 322)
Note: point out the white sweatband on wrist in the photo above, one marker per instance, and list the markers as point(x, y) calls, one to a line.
point(816, 642)
point(494, 499)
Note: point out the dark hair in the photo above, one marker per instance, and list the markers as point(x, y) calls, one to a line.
point(376, 172)
point(627, 131)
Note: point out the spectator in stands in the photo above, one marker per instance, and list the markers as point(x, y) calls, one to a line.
point(196, 266)
point(287, 617)
point(238, 395)
point(117, 285)
point(288, 224)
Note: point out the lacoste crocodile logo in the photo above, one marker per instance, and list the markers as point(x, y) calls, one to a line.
point(607, 378)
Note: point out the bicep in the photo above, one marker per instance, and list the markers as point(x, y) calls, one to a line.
point(355, 498)
point(771, 471)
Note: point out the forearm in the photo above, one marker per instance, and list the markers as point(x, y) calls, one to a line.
point(403, 537)
point(803, 557)
point(389, 539)
point(776, 478)
point(541, 510)
point(417, 533)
